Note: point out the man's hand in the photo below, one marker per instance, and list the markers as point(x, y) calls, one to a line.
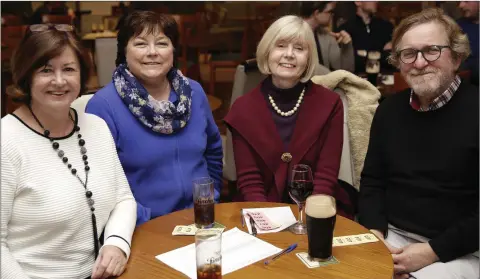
point(414, 257)
point(110, 262)
point(393, 250)
point(342, 37)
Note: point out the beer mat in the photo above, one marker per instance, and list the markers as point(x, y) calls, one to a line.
point(281, 217)
point(192, 229)
point(303, 256)
point(239, 249)
point(354, 239)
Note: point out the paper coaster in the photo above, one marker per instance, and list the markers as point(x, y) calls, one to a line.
point(353, 239)
point(303, 256)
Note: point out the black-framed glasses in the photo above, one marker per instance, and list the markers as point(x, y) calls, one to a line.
point(45, 27)
point(429, 53)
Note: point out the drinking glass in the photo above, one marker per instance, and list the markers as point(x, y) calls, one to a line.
point(301, 186)
point(208, 254)
point(321, 218)
point(203, 202)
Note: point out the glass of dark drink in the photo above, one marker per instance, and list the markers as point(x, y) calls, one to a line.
point(301, 186)
point(321, 217)
point(203, 202)
point(208, 254)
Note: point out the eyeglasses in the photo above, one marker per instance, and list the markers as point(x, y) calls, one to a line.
point(45, 27)
point(429, 53)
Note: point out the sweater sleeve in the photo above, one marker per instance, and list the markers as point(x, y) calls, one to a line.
point(249, 178)
point(100, 107)
point(348, 58)
point(10, 267)
point(458, 240)
point(214, 151)
point(341, 56)
point(325, 175)
point(121, 223)
point(371, 201)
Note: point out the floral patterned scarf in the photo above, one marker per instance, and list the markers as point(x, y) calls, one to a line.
point(162, 117)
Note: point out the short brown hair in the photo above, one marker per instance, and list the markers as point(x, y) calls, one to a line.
point(145, 21)
point(34, 52)
point(457, 40)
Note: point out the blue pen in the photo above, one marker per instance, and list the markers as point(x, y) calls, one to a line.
point(283, 252)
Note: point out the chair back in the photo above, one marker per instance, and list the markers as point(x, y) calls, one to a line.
point(57, 19)
point(11, 20)
point(399, 83)
point(105, 55)
point(247, 77)
point(81, 102)
point(11, 38)
point(345, 172)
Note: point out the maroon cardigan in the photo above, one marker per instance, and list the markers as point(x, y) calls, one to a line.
point(316, 141)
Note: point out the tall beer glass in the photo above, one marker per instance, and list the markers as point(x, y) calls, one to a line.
point(321, 216)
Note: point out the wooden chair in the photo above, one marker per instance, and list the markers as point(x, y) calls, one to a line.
point(57, 19)
point(250, 38)
point(11, 38)
point(191, 29)
point(11, 20)
point(399, 83)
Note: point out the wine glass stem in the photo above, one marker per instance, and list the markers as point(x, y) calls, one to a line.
point(300, 213)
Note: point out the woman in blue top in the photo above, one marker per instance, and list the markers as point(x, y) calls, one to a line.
point(161, 121)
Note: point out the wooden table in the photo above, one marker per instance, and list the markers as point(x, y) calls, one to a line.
point(368, 261)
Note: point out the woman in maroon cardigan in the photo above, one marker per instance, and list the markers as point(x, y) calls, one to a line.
point(287, 120)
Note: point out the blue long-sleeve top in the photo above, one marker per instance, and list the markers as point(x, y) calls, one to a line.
point(160, 168)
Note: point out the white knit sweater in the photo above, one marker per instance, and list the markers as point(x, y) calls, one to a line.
point(46, 227)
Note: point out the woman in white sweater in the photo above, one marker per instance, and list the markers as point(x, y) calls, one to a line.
point(63, 189)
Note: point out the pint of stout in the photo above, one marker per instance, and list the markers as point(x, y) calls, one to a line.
point(321, 216)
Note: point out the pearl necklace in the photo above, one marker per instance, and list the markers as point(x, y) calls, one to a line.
point(290, 112)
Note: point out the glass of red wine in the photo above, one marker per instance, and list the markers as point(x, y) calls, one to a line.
point(301, 186)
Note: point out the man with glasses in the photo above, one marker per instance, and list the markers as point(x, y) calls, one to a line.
point(420, 183)
point(335, 50)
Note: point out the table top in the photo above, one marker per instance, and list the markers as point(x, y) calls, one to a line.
point(370, 260)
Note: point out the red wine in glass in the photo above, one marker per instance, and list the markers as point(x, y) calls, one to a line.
point(300, 190)
point(301, 186)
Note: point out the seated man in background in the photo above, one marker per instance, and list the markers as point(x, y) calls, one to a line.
point(420, 183)
point(335, 50)
point(368, 32)
point(469, 25)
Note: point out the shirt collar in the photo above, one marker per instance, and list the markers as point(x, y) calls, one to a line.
point(438, 102)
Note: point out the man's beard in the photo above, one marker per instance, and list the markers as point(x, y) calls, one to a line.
point(429, 82)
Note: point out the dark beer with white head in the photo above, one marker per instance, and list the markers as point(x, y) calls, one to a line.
point(321, 216)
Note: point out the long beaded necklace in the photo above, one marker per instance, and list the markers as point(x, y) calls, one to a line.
point(83, 151)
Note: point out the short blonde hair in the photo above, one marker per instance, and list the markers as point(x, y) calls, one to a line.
point(457, 40)
point(287, 28)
